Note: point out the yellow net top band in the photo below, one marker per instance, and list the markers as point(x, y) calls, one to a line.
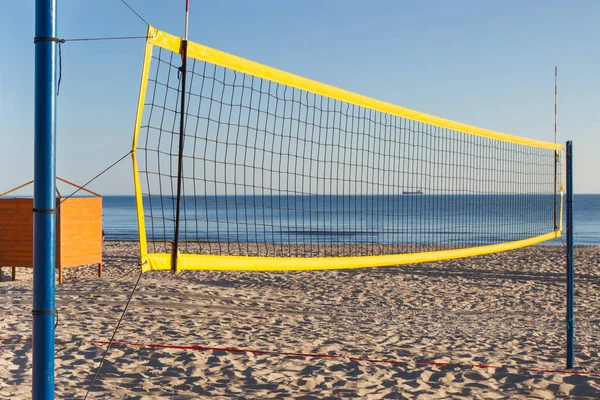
point(222, 59)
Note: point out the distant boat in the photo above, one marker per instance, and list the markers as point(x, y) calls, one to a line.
point(415, 192)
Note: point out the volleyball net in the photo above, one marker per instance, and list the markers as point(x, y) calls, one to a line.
point(240, 166)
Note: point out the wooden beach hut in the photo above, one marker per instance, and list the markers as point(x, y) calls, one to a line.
point(78, 231)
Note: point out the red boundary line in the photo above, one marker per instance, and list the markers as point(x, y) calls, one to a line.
point(330, 356)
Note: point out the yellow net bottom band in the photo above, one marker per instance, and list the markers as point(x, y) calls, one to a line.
point(197, 262)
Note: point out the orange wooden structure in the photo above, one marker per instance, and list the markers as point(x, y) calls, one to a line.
point(78, 231)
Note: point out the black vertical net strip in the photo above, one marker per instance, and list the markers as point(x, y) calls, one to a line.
point(271, 170)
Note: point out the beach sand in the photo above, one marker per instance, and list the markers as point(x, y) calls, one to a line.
point(502, 309)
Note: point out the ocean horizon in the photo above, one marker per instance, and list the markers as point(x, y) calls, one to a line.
point(120, 222)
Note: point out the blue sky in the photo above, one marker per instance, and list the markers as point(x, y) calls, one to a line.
point(489, 64)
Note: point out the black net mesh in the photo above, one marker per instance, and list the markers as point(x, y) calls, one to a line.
point(276, 171)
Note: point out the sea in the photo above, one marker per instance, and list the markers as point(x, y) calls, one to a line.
point(120, 220)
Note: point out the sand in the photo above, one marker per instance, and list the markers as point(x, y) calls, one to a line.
point(503, 309)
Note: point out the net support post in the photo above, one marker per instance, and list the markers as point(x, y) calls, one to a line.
point(44, 200)
point(175, 249)
point(570, 265)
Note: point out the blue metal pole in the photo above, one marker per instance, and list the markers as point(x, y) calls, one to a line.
point(570, 267)
point(44, 200)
